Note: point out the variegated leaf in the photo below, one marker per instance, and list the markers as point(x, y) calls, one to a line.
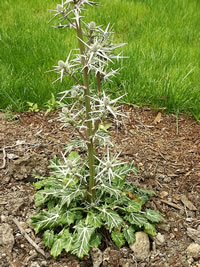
point(81, 244)
point(154, 216)
point(111, 218)
point(48, 238)
point(45, 220)
point(118, 239)
point(137, 219)
point(94, 219)
point(129, 234)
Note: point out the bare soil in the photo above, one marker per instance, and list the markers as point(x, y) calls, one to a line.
point(166, 151)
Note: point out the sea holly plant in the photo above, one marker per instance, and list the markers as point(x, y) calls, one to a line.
point(89, 190)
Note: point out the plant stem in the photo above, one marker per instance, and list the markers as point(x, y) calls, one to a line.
point(98, 82)
point(91, 159)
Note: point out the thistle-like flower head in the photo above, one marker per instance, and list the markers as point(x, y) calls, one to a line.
point(108, 168)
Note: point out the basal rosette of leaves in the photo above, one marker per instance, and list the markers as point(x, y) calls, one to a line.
point(87, 190)
point(71, 223)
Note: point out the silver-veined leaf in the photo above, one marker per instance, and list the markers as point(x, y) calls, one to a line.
point(129, 234)
point(136, 219)
point(94, 219)
point(57, 247)
point(69, 194)
point(41, 197)
point(111, 190)
point(48, 238)
point(68, 246)
point(154, 216)
point(83, 233)
point(150, 229)
point(111, 218)
point(62, 241)
point(67, 217)
point(45, 220)
point(118, 239)
point(133, 206)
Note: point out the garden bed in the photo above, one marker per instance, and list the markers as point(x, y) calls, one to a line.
point(166, 151)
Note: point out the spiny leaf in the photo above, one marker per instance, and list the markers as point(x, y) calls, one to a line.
point(154, 216)
point(94, 219)
point(49, 182)
point(57, 247)
point(150, 229)
point(68, 246)
point(95, 240)
point(48, 238)
point(62, 241)
point(69, 194)
point(45, 220)
point(41, 197)
point(129, 234)
point(111, 218)
point(137, 219)
point(134, 206)
point(68, 217)
point(118, 239)
point(111, 190)
point(81, 244)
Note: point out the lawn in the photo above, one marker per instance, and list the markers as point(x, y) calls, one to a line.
point(162, 44)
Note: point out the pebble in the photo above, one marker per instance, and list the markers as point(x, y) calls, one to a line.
point(141, 247)
point(4, 219)
point(34, 264)
point(193, 250)
point(97, 257)
point(160, 239)
point(164, 227)
point(164, 194)
point(6, 237)
point(167, 179)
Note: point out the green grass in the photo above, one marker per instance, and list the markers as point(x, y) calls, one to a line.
point(163, 69)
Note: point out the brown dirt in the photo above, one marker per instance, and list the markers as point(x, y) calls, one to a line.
point(166, 150)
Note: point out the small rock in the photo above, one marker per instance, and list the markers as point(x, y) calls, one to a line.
point(6, 237)
point(167, 179)
point(4, 219)
point(97, 257)
point(188, 203)
point(111, 257)
point(141, 247)
point(160, 239)
point(34, 264)
point(164, 194)
point(194, 234)
point(125, 252)
point(163, 226)
point(126, 262)
point(193, 250)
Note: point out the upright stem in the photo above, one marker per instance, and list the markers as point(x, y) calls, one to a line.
point(98, 82)
point(91, 159)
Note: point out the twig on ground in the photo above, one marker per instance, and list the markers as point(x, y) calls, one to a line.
point(41, 251)
point(169, 203)
point(4, 159)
